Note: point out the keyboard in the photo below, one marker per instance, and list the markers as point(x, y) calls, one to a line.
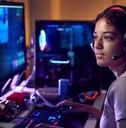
point(46, 115)
point(51, 116)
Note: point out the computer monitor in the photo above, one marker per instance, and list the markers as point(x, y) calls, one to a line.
point(57, 36)
point(58, 45)
point(12, 40)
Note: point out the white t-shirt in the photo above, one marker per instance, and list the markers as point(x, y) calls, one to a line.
point(115, 103)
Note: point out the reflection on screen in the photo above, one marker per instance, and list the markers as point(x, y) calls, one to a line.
point(56, 36)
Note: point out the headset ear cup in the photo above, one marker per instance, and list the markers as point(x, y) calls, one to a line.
point(124, 41)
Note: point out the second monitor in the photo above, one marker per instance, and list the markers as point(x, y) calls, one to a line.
point(58, 48)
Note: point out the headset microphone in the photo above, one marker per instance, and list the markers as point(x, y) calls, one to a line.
point(118, 56)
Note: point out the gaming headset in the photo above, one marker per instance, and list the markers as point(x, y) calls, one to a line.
point(121, 9)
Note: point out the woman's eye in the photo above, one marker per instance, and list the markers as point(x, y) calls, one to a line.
point(109, 38)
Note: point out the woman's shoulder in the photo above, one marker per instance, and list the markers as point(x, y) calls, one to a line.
point(118, 85)
point(123, 75)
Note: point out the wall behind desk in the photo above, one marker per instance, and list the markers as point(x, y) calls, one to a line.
point(68, 9)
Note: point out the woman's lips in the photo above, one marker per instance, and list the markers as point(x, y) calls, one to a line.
point(99, 55)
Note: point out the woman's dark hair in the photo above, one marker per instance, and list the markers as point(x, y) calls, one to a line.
point(116, 14)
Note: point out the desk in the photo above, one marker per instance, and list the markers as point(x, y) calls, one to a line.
point(17, 120)
point(90, 123)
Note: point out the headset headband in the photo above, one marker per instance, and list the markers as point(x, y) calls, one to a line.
point(118, 9)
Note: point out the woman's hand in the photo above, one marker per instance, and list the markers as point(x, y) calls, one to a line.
point(78, 107)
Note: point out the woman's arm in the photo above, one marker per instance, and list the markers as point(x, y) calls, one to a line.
point(82, 108)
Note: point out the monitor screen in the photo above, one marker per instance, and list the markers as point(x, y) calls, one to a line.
point(57, 36)
point(58, 45)
point(12, 40)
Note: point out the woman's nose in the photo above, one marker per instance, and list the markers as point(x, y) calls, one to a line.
point(98, 43)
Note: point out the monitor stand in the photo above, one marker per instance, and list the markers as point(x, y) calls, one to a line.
point(39, 100)
point(16, 80)
point(7, 83)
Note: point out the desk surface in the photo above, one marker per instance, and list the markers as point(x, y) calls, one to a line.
point(90, 123)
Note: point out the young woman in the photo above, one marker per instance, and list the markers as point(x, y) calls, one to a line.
point(110, 51)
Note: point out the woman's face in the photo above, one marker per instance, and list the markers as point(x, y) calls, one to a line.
point(107, 43)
